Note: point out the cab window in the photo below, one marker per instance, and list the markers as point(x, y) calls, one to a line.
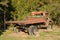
point(38, 15)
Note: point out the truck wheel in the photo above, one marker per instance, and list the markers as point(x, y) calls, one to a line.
point(15, 29)
point(33, 30)
point(49, 27)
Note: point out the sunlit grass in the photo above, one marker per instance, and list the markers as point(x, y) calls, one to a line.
point(45, 35)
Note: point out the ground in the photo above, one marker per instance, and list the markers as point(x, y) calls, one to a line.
point(44, 34)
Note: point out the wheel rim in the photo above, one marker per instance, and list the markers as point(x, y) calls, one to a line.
point(49, 27)
point(35, 31)
point(32, 30)
point(15, 29)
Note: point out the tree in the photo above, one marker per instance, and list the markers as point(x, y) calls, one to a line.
point(5, 9)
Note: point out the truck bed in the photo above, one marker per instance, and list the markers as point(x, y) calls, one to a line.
point(32, 21)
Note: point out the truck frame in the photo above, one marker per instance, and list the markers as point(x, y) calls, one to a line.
point(32, 23)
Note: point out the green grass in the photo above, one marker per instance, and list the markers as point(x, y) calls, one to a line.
point(45, 35)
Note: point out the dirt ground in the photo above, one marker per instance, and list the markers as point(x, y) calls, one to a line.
point(19, 34)
point(44, 34)
point(23, 34)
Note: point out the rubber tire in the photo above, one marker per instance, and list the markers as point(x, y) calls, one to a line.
point(31, 30)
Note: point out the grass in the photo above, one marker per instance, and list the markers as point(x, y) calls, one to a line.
point(43, 35)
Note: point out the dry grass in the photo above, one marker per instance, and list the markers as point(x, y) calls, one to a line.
point(43, 35)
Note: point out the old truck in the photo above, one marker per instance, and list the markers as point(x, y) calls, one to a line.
point(33, 22)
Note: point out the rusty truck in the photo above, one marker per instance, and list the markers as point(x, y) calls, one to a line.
point(32, 23)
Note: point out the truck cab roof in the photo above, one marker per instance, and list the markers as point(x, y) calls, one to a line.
point(35, 13)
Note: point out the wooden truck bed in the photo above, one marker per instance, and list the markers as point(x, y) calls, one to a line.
point(30, 21)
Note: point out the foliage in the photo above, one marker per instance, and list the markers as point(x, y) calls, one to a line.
point(21, 9)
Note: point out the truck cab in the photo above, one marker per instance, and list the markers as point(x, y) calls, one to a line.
point(41, 18)
point(38, 15)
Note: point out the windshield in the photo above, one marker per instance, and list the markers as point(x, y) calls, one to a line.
point(38, 15)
